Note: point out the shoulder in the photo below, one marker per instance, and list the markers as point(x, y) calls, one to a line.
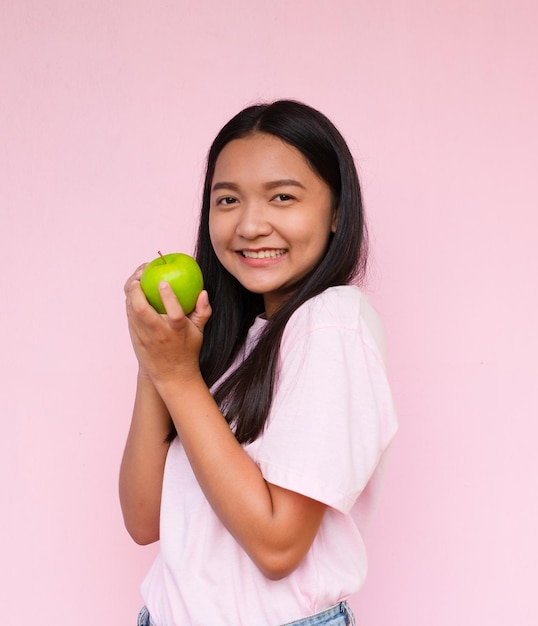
point(335, 306)
point(345, 309)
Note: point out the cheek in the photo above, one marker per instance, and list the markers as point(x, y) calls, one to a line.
point(314, 236)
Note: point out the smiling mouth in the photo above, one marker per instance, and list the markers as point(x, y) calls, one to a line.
point(262, 254)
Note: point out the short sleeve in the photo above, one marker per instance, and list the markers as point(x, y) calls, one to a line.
point(332, 414)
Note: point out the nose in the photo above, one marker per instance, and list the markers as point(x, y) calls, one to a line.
point(253, 221)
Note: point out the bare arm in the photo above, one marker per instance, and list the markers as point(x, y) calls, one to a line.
point(275, 526)
point(142, 467)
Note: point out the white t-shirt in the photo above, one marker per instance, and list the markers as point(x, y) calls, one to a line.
point(331, 419)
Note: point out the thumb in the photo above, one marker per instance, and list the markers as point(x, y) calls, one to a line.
point(202, 311)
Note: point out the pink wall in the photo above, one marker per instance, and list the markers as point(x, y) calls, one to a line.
point(107, 109)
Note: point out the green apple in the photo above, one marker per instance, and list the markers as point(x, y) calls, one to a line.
point(183, 274)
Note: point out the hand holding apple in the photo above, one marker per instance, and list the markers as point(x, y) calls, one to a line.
point(182, 273)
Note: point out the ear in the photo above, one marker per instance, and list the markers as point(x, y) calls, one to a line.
point(334, 222)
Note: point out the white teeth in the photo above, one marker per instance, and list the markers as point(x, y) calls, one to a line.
point(262, 254)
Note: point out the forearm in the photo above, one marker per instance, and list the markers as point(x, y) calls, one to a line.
point(255, 512)
point(142, 467)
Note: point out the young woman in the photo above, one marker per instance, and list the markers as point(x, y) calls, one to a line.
point(261, 419)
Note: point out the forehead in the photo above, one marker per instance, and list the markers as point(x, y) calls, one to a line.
point(261, 155)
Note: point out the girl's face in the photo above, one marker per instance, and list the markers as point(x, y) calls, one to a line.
point(270, 216)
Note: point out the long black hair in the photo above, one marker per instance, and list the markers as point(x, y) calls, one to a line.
point(245, 395)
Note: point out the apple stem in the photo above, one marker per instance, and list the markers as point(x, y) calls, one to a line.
point(162, 256)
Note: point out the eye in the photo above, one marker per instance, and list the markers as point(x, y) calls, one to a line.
point(226, 201)
point(283, 197)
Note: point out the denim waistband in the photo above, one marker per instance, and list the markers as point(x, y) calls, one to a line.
point(338, 615)
point(144, 618)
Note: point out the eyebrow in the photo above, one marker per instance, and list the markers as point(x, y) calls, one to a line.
point(283, 182)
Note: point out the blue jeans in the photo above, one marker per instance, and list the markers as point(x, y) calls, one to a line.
point(144, 618)
point(339, 615)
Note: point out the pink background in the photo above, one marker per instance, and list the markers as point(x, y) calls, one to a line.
point(106, 112)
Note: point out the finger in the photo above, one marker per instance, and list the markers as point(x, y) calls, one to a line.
point(139, 271)
point(135, 276)
point(138, 305)
point(202, 311)
point(173, 308)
